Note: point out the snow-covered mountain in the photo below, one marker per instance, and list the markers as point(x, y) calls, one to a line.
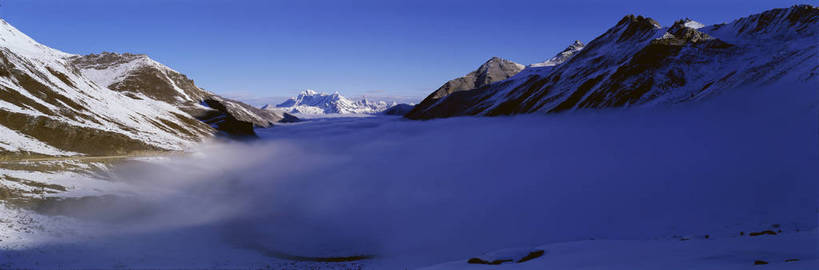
point(638, 62)
point(315, 103)
point(55, 103)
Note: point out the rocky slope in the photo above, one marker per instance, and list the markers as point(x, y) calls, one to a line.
point(55, 103)
point(493, 70)
point(640, 63)
point(310, 102)
point(399, 109)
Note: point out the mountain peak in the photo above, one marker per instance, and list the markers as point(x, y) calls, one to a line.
point(638, 20)
point(106, 60)
point(20, 43)
point(495, 69)
point(497, 63)
point(688, 23)
point(496, 60)
point(631, 27)
point(562, 56)
point(308, 92)
point(316, 103)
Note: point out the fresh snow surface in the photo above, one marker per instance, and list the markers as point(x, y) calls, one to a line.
point(310, 102)
point(795, 250)
point(693, 24)
point(20, 43)
point(435, 193)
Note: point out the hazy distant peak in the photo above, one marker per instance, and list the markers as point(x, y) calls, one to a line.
point(314, 103)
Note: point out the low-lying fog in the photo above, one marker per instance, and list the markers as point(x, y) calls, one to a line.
point(413, 193)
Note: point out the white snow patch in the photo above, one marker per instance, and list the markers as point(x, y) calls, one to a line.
point(13, 141)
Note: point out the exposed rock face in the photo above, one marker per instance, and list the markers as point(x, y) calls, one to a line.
point(221, 119)
point(238, 119)
point(639, 63)
point(493, 70)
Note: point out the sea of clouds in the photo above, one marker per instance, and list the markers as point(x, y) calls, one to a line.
point(413, 193)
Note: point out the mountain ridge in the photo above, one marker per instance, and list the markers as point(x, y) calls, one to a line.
point(637, 62)
point(56, 103)
point(493, 70)
point(311, 102)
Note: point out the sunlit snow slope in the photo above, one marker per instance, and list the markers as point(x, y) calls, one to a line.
point(55, 103)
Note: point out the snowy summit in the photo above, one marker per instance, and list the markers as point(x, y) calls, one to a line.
point(311, 102)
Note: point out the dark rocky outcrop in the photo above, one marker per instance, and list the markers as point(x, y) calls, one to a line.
point(766, 232)
point(507, 256)
point(481, 261)
point(399, 109)
point(233, 119)
point(532, 255)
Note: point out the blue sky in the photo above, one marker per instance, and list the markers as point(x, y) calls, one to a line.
point(377, 48)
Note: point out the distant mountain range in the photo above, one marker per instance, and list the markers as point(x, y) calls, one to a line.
point(55, 103)
point(310, 102)
point(638, 62)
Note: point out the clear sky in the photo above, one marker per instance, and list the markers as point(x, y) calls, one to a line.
point(390, 48)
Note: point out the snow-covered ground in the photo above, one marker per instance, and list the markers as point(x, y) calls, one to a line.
point(647, 185)
point(795, 250)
